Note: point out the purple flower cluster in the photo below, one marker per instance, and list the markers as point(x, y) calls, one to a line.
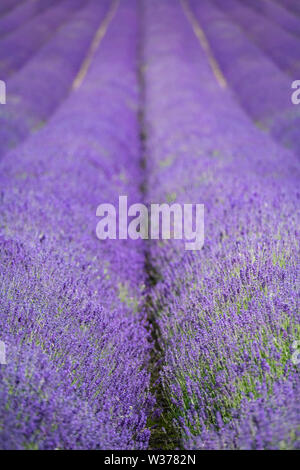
point(72, 308)
point(18, 46)
point(45, 80)
point(260, 423)
point(227, 315)
point(22, 13)
point(277, 13)
point(263, 89)
point(279, 45)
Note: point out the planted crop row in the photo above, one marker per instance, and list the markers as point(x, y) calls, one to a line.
point(281, 46)
point(227, 315)
point(22, 13)
point(263, 90)
point(18, 46)
point(45, 80)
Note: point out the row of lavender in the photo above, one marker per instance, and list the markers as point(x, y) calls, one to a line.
point(7, 6)
point(71, 308)
point(278, 14)
point(278, 44)
point(45, 80)
point(291, 5)
point(228, 315)
point(14, 18)
point(260, 80)
point(18, 46)
point(77, 342)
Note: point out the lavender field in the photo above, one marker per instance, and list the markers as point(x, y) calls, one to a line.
point(139, 343)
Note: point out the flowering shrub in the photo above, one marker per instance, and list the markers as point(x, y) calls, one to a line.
point(228, 315)
point(72, 316)
point(45, 80)
point(14, 18)
point(280, 45)
point(260, 85)
point(18, 46)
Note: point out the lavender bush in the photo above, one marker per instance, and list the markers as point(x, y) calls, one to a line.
point(43, 83)
point(277, 13)
point(79, 340)
point(22, 13)
point(228, 316)
point(18, 46)
point(262, 89)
